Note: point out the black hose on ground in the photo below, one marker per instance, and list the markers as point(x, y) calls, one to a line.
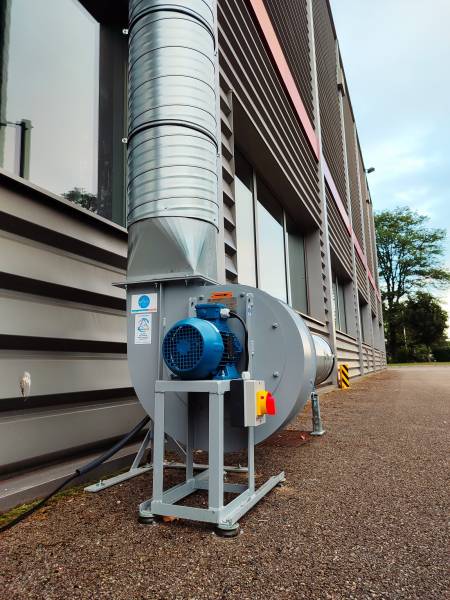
point(80, 471)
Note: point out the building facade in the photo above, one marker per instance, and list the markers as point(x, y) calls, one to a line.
point(296, 216)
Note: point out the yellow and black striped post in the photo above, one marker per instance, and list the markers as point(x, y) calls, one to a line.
point(344, 379)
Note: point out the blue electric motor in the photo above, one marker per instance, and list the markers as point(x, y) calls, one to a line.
point(203, 347)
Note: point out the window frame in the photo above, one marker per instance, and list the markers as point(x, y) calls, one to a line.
point(256, 179)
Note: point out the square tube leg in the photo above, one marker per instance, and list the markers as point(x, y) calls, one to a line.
point(215, 493)
point(158, 448)
point(190, 442)
point(251, 459)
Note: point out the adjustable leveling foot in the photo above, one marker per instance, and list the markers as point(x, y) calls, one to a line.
point(316, 420)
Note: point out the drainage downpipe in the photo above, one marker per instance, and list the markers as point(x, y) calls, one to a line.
point(173, 212)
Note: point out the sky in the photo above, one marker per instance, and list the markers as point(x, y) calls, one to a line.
point(396, 55)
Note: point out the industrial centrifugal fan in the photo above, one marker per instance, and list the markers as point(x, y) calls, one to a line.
point(218, 367)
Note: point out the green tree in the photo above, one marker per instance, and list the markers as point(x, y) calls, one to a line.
point(425, 322)
point(83, 198)
point(410, 260)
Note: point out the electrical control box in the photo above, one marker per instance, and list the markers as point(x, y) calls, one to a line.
point(253, 387)
point(250, 402)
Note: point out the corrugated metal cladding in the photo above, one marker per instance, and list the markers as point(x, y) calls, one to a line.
point(366, 215)
point(247, 70)
point(227, 145)
point(373, 243)
point(339, 238)
point(348, 352)
point(373, 300)
point(63, 322)
point(361, 276)
point(353, 173)
point(290, 21)
point(330, 117)
point(247, 76)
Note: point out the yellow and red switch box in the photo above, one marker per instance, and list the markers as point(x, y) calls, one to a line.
point(250, 402)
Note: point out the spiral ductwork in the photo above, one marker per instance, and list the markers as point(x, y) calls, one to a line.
point(172, 140)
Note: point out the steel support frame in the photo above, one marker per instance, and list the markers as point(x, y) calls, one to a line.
point(136, 469)
point(163, 503)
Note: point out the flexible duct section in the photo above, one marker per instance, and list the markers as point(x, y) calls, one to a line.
point(172, 140)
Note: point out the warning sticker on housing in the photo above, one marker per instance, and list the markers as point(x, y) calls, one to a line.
point(143, 329)
point(144, 303)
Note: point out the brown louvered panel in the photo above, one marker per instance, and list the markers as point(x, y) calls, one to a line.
point(353, 173)
point(290, 21)
point(330, 117)
point(367, 214)
point(339, 238)
point(373, 300)
point(228, 172)
point(361, 277)
point(246, 65)
point(371, 226)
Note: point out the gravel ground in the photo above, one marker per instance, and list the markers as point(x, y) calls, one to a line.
point(362, 515)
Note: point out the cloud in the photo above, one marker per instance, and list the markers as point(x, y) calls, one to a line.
point(401, 155)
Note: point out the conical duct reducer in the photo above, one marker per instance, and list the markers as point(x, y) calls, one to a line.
point(173, 213)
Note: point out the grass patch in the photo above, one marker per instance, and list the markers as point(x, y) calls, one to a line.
point(419, 364)
point(11, 514)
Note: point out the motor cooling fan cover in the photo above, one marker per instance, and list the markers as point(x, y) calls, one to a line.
point(193, 348)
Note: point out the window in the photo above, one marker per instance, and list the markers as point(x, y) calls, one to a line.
point(271, 251)
point(245, 226)
point(297, 267)
point(364, 317)
point(62, 98)
point(270, 247)
point(338, 297)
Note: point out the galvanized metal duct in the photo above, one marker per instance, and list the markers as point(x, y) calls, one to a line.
point(324, 359)
point(172, 141)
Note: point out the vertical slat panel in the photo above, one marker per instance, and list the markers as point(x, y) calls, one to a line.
point(328, 93)
point(250, 73)
point(290, 21)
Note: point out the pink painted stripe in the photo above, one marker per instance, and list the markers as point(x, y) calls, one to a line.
point(277, 54)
